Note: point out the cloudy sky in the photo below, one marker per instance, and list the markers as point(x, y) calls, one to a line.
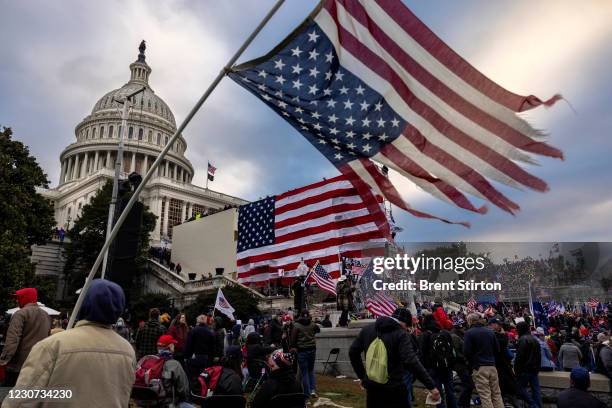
point(59, 57)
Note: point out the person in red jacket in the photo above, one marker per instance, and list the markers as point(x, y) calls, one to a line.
point(29, 325)
point(179, 330)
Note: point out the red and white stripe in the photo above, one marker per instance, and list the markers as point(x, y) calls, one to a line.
point(315, 223)
point(463, 131)
point(593, 303)
point(380, 304)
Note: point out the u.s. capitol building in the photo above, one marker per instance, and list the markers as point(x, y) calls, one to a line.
point(89, 162)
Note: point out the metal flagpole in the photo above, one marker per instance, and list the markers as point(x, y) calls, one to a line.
point(161, 156)
point(118, 167)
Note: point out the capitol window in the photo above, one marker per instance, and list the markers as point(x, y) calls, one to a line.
point(150, 138)
point(110, 131)
point(101, 132)
point(140, 133)
point(166, 141)
point(159, 138)
point(93, 133)
point(87, 134)
point(130, 132)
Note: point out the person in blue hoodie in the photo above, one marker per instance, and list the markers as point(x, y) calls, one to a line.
point(92, 360)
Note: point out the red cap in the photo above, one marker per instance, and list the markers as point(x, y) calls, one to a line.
point(166, 340)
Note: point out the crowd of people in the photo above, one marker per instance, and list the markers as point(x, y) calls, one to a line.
point(488, 358)
point(464, 358)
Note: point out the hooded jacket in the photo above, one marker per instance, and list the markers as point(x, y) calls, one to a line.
point(401, 355)
point(29, 325)
point(304, 333)
point(91, 359)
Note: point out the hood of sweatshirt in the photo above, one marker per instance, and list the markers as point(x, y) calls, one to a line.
point(386, 324)
point(26, 295)
point(104, 302)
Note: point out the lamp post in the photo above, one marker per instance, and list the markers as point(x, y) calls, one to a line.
point(126, 101)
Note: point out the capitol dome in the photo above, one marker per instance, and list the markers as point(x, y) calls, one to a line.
point(146, 101)
point(150, 126)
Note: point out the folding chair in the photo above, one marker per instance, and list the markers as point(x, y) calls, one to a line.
point(219, 401)
point(332, 352)
point(294, 400)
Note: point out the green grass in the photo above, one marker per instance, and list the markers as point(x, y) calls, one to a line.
point(346, 392)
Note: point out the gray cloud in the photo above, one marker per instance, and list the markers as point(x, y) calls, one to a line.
point(61, 57)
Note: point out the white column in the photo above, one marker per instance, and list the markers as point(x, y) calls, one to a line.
point(156, 209)
point(96, 159)
point(62, 171)
point(76, 167)
point(174, 173)
point(167, 173)
point(85, 161)
point(166, 208)
point(108, 160)
point(145, 164)
point(133, 163)
point(183, 211)
point(190, 211)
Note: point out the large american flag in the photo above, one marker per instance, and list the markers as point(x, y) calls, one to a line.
point(313, 223)
point(366, 81)
point(323, 280)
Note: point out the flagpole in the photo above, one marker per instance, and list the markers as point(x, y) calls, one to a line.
point(162, 155)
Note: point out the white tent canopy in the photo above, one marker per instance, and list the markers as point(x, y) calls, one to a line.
point(50, 312)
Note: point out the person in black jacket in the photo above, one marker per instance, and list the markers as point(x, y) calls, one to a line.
point(200, 347)
point(401, 356)
point(479, 348)
point(577, 395)
point(527, 365)
point(274, 333)
point(461, 366)
point(439, 367)
point(256, 355)
point(282, 380)
point(503, 363)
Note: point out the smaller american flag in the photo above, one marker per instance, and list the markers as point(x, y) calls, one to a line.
point(322, 279)
point(593, 303)
point(211, 172)
point(471, 304)
point(380, 304)
point(357, 270)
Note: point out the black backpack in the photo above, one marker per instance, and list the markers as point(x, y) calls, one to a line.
point(442, 350)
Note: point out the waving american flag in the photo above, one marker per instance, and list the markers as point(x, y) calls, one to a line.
point(366, 81)
point(323, 280)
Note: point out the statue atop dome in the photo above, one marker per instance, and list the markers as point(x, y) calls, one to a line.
point(142, 47)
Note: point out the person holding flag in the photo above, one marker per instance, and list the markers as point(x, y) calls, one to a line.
point(344, 299)
point(223, 306)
